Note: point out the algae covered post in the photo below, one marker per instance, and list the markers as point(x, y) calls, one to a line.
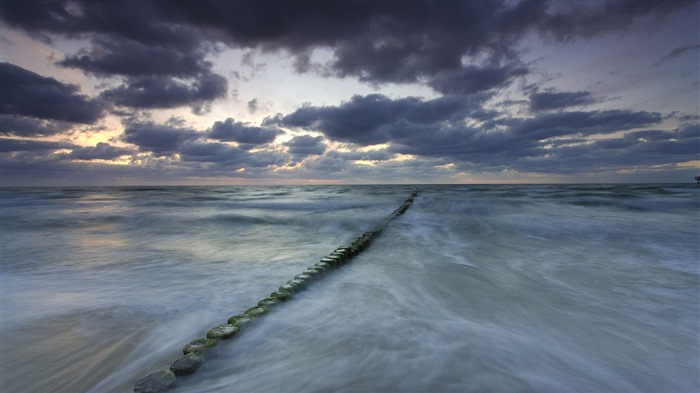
point(196, 352)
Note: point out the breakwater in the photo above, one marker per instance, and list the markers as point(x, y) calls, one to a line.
point(196, 352)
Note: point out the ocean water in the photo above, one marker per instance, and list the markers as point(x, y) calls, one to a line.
point(502, 288)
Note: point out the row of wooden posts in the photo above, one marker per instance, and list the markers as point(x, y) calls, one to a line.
point(196, 351)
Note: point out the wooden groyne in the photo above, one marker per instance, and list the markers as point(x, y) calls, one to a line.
point(197, 351)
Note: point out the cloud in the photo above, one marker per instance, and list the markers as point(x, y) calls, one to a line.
point(517, 137)
point(676, 52)
point(158, 54)
point(253, 105)
point(26, 93)
point(614, 154)
point(73, 18)
point(225, 155)
point(683, 141)
point(371, 119)
point(101, 151)
point(559, 100)
point(234, 131)
point(437, 129)
point(473, 79)
point(581, 123)
point(153, 76)
point(212, 152)
point(161, 63)
point(574, 20)
point(134, 58)
point(148, 92)
point(336, 165)
point(28, 126)
point(304, 145)
point(159, 139)
point(16, 145)
point(266, 158)
point(184, 145)
point(374, 41)
point(372, 155)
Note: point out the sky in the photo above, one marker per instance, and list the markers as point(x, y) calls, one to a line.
point(217, 92)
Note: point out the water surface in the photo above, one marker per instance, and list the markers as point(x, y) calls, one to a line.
point(528, 288)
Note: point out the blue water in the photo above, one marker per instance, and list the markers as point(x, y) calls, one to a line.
point(518, 288)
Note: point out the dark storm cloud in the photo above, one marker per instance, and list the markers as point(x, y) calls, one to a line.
point(26, 93)
point(676, 52)
point(649, 135)
point(619, 153)
point(228, 156)
point(693, 119)
point(393, 41)
point(566, 21)
point(371, 119)
point(230, 130)
point(301, 24)
point(684, 140)
point(415, 41)
point(581, 123)
point(12, 145)
point(29, 126)
point(559, 100)
point(459, 143)
point(150, 74)
point(157, 51)
point(135, 20)
point(176, 141)
point(304, 145)
point(130, 40)
point(667, 148)
point(519, 137)
point(159, 139)
point(166, 92)
point(473, 79)
point(437, 129)
point(133, 58)
point(439, 123)
point(37, 151)
point(212, 152)
point(101, 151)
point(373, 155)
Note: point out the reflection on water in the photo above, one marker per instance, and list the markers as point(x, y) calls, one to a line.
point(71, 352)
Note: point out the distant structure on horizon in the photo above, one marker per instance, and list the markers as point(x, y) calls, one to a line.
point(698, 179)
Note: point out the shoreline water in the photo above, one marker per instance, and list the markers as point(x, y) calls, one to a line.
point(532, 288)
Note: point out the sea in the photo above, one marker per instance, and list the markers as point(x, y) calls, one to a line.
point(475, 288)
